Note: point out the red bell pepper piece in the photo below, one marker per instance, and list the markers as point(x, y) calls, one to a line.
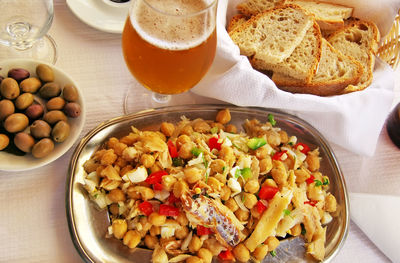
point(213, 143)
point(310, 180)
point(260, 207)
point(311, 202)
point(202, 230)
point(304, 149)
point(168, 210)
point(226, 255)
point(278, 155)
point(155, 177)
point(172, 199)
point(267, 192)
point(173, 151)
point(146, 208)
point(157, 186)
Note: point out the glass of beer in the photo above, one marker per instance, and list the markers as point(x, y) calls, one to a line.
point(169, 45)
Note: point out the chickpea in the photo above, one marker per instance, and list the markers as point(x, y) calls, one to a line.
point(218, 125)
point(159, 255)
point(261, 152)
point(217, 166)
point(301, 175)
point(112, 142)
point(223, 116)
point(109, 157)
point(150, 241)
point(231, 128)
point(272, 243)
point(273, 138)
point(185, 152)
point(252, 186)
point(284, 136)
point(241, 253)
point(250, 200)
point(90, 165)
point(155, 168)
point(119, 228)
point(265, 165)
point(180, 188)
point(132, 193)
point(131, 238)
point(279, 172)
point(330, 203)
point(214, 184)
point(130, 139)
point(119, 148)
point(201, 126)
point(221, 178)
point(182, 140)
point(193, 174)
point(231, 204)
point(205, 255)
point(312, 161)
point(157, 219)
point(187, 130)
point(116, 195)
point(167, 128)
point(155, 230)
point(193, 259)
point(226, 154)
point(147, 160)
point(260, 252)
point(242, 215)
point(181, 232)
point(225, 193)
point(195, 244)
point(270, 182)
point(121, 162)
point(295, 230)
point(114, 209)
point(168, 182)
point(182, 219)
point(146, 193)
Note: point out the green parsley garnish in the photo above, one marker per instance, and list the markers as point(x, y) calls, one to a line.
point(195, 196)
point(290, 143)
point(286, 212)
point(273, 253)
point(271, 119)
point(96, 195)
point(317, 182)
point(196, 151)
point(326, 181)
point(223, 169)
point(214, 130)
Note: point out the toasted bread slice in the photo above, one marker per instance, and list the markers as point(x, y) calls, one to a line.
point(328, 15)
point(236, 21)
point(254, 7)
point(272, 35)
point(360, 40)
point(335, 72)
point(303, 62)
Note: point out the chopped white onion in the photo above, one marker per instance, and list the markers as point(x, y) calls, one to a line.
point(239, 202)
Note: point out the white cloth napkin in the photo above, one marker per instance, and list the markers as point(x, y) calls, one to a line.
point(352, 121)
point(378, 217)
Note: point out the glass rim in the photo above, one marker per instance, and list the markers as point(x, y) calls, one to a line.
point(211, 5)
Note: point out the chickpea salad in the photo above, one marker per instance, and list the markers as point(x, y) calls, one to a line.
point(200, 189)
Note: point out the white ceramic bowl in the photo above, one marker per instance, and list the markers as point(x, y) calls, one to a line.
point(11, 162)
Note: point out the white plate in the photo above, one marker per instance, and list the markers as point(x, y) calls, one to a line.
point(11, 162)
point(103, 15)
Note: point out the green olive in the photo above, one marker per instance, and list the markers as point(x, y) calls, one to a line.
point(60, 131)
point(16, 122)
point(54, 116)
point(50, 90)
point(9, 88)
point(6, 109)
point(42, 148)
point(24, 142)
point(40, 129)
point(4, 141)
point(24, 101)
point(70, 93)
point(56, 103)
point(30, 85)
point(45, 73)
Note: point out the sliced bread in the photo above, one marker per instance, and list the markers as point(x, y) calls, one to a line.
point(254, 7)
point(236, 20)
point(328, 15)
point(360, 40)
point(335, 72)
point(272, 35)
point(303, 62)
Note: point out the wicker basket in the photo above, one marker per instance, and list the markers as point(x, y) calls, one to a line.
point(389, 51)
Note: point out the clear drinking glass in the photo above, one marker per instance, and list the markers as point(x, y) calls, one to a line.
point(23, 28)
point(169, 45)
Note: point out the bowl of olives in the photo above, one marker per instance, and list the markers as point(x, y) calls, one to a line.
point(42, 114)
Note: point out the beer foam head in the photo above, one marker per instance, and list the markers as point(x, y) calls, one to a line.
point(173, 24)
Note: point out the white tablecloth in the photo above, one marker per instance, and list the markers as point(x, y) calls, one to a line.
point(33, 225)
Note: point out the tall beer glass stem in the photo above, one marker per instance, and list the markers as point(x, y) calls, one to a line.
point(161, 98)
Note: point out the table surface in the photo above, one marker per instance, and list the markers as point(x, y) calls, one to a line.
point(33, 224)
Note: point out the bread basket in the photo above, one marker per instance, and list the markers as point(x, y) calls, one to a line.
point(389, 50)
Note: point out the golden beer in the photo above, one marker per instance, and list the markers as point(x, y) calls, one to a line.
point(166, 53)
